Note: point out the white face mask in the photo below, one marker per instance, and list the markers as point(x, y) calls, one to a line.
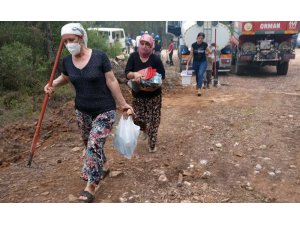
point(73, 48)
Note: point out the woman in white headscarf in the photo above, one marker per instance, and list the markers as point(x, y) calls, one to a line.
point(97, 91)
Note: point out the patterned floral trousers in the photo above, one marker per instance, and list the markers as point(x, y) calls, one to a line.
point(148, 112)
point(94, 132)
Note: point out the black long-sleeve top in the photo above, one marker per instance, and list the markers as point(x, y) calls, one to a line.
point(134, 64)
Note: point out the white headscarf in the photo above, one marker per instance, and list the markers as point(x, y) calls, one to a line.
point(77, 29)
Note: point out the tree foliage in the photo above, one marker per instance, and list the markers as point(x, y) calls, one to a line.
point(28, 48)
point(133, 28)
point(16, 66)
point(98, 42)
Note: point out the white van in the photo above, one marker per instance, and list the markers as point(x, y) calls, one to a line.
point(112, 34)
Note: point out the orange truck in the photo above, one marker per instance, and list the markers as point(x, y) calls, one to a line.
point(263, 43)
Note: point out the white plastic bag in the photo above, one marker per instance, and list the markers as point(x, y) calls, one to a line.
point(126, 136)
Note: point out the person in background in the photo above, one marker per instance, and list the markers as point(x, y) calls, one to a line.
point(97, 91)
point(153, 35)
point(137, 40)
point(157, 48)
point(198, 54)
point(146, 102)
point(170, 52)
point(128, 43)
point(157, 38)
point(133, 43)
point(117, 39)
point(210, 62)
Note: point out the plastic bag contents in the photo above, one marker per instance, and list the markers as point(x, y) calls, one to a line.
point(151, 79)
point(136, 87)
point(126, 136)
point(148, 73)
point(155, 81)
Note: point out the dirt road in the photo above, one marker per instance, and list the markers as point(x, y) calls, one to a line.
point(238, 142)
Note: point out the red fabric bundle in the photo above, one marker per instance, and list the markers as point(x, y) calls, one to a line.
point(148, 73)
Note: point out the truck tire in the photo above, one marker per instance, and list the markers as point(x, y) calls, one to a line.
point(282, 68)
point(233, 61)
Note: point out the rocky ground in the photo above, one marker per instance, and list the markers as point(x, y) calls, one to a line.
point(238, 142)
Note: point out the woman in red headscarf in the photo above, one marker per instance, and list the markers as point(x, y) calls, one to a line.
point(146, 101)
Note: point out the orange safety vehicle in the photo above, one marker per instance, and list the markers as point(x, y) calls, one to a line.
point(263, 43)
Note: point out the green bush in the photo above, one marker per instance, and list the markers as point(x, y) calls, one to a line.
point(11, 99)
point(64, 94)
point(15, 106)
point(16, 67)
point(99, 42)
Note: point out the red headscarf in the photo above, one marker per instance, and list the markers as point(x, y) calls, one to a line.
point(145, 51)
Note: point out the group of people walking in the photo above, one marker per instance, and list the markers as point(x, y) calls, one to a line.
point(98, 94)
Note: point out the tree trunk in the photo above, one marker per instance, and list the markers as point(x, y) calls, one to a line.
point(49, 41)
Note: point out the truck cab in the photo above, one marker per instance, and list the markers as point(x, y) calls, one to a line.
point(263, 43)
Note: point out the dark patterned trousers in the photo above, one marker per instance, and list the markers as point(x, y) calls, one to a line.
point(94, 132)
point(148, 112)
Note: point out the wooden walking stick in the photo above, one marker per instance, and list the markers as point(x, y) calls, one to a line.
point(46, 97)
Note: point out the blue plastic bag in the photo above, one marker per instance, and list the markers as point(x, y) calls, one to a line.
point(126, 136)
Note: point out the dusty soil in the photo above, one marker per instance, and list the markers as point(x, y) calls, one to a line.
point(238, 142)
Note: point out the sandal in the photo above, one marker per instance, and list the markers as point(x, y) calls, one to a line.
point(89, 198)
point(105, 173)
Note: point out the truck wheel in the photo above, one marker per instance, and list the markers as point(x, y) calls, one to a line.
point(282, 68)
point(233, 61)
